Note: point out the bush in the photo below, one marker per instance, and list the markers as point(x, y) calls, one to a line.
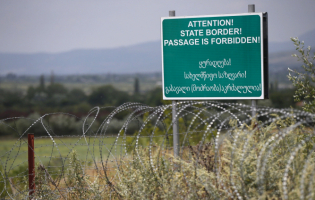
point(304, 82)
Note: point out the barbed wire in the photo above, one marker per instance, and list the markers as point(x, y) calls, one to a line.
point(224, 153)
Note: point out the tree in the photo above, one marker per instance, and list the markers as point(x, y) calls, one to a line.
point(107, 95)
point(304, 82)
point(154, 97)
point(56, 89)
point(137, 87)
point(10, 98)
point(76, 96)
point(55, 95)
point(52, 78)
point(42, 82)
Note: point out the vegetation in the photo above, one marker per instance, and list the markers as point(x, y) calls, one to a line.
point(57, 98)
point(45, 149)
point(304, 82)
point(269, 159)
point(264, 162)
point(23, 95)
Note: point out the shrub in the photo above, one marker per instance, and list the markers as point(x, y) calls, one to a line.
point(304, 82)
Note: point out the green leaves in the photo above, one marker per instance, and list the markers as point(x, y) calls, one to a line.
point(304, 82)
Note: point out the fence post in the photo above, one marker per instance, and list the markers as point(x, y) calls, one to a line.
point(174, 113)
point(31, 165)
point(251, 8)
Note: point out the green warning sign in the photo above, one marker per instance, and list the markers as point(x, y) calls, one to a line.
point(213, 57)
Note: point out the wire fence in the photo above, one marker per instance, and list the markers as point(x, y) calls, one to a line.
point(225, 153)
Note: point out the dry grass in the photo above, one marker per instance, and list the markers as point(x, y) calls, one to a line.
point(274, 161)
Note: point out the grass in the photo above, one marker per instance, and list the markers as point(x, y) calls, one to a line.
point(274, 159)
point(246, 168)
point(14, 152)
point(14, 161)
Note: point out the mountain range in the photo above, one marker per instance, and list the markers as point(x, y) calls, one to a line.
point(140, 58)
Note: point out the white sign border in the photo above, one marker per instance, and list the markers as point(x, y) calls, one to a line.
point(217, 98)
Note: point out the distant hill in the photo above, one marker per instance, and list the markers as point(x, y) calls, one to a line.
point(137, 58)
point(308, 38)
point(280, 58)
point(141, 58)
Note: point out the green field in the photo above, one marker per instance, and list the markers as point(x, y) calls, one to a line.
point(13, 152)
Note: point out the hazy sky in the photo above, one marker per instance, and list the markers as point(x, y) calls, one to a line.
point(62, 25)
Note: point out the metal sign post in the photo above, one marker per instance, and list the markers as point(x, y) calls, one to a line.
point(214, 57)
point(174, 113)
point(251, 9)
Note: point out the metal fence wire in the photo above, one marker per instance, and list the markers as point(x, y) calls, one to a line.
point(126, 152)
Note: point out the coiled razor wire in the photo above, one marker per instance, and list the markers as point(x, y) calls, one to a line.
point(223, 150)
